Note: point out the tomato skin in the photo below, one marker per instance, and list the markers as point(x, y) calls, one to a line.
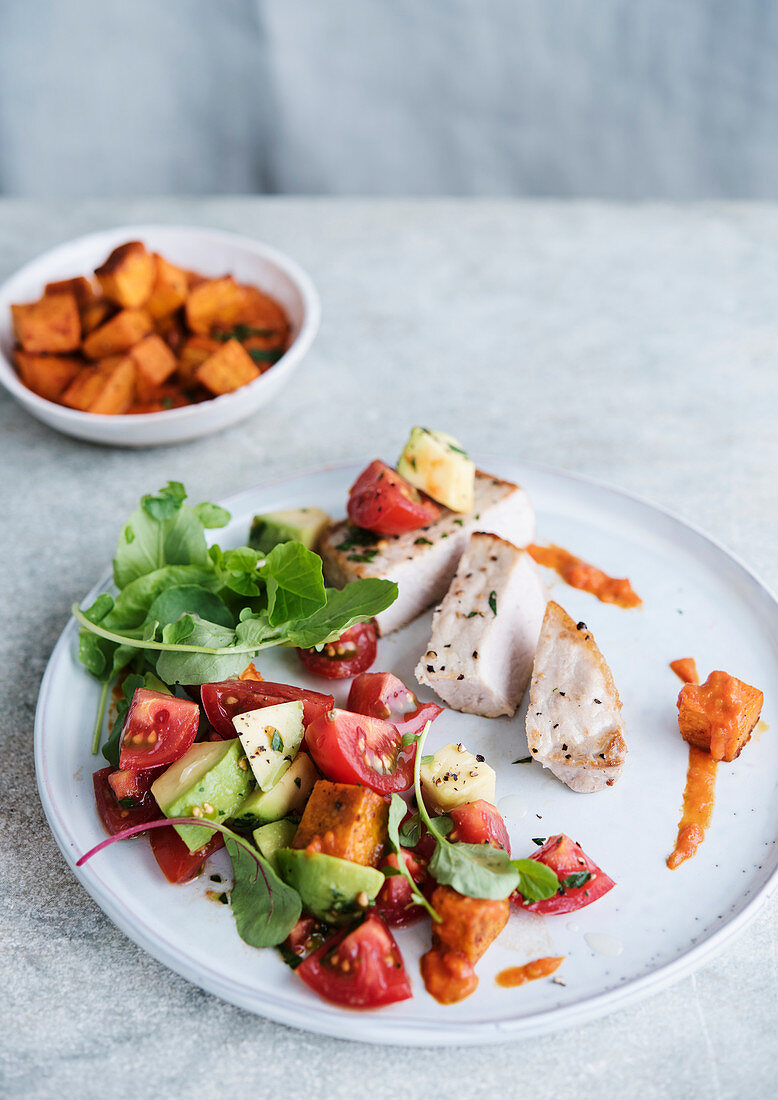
point(565, 857)
point(385, 503)
point(382, 695)
point(301, 939)
point(116, 818)
point(362, 968)
point(158, 730)
point(346, 747)
point(177, 863)
point(394, 902)
point(224, 700)
point(351, 653)
point(135, 785)
point(479, 822)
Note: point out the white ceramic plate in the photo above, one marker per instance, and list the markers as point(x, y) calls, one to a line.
point(204, 250)
point(698, 601)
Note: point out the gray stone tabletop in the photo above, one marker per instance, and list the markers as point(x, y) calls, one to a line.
point(638, 344)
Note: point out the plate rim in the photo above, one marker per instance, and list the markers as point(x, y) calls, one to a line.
point(368, 1027)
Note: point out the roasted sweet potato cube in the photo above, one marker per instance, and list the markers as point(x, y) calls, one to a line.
point(719, 715)
point(117, 391)
point(169, 290)
point(51, 324)
point(344, 820)
point(92, 316)
point(79, 286)
point(215, 303)
point(127, 276)
point(118, 335)
point(47, 375)
point(468, 925)
point(262, 312)
point(84, 388)
point(155, 362)
point(227, 369)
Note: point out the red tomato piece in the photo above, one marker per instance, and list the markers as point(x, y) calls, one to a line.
point(158, 730)
point(382, 501)
point(353, 748)
point(352, 652)
point(178, 864)
point(133, 785)
point(569, 861)
point(479, 822)
point(114, 816)
point(305, 937)
point(394, 901)
point(362, 968)
point(382, 695)
point(224, 700)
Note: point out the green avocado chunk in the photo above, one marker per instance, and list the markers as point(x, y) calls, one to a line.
point(276, 834)
point(303, 525)
point(210, 781)
point(329, 887)
point(288, 796)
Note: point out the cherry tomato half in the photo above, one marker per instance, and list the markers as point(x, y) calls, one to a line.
point(382, 501)
point(223, 701)
point(114, 816)
point(353, 748)
point(362, 968)
point(158, 730)
point(569, 861)
point(382, 695)
point(132, 785)
point(479, 822)
point(353, 652)
point(394, 901)
point(178, 864)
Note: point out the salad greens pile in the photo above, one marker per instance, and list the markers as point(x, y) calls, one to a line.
point(189, 614)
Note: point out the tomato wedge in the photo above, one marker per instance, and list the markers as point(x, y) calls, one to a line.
point(114, 816)
point(158, 730)
point(222, 701)
point(479, 822)
point(178, 864)
point(582, 880)
point(382, 695)
point(385, 503)
point(394, 901)
point(352, 652)
point(132, 785)
point(362, 968)
point(353, 748)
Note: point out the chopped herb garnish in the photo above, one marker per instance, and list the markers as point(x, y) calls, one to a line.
point(276, 743)
point(363, 555)
point(241, 332)
point(422, 542)
point(523, 760)
point(426, 760)
point(459, 522)
point(493, 601)
point(265, 355)
point(573, 882)
point(356, 537)
point(470, 614)
point(539, 840)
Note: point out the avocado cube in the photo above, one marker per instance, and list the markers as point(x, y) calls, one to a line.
point(435, 463)
point(210, 781)
point(276, 834)
point(330, 888)
point(271, 737)
point(303, 525)
point(287, 797)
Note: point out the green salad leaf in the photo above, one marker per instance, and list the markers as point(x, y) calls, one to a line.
point(266, 909)
point(536, 881)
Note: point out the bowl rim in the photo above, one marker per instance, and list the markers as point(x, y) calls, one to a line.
point(293, 354)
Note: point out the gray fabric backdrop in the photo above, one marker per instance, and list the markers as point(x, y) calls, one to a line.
point(610, 98)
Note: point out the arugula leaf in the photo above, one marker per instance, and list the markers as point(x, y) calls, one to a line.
point(163, 531)
point(238, 569)
point(191, 599)
point(358, 601)
point(410, 833)
point(536, 881)
point(211, 515)
point(266, 909)
point(295, 585)
point(177, 666)
point(166, 503)
point(133, 602)
point(397, 811)
point(100, 608)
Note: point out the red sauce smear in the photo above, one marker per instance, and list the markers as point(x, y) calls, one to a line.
point(579, 574)
point(530, 972)
point(685, 668)
point(698, 799)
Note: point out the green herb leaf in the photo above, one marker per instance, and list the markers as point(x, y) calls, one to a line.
point(166, 503)
point(493, 601)
point(476, 870)
point(410, 832)
point(573, 882)
point(536, 881)
point(276, 742)
point(190, 599)
point(422, 541)
point(357, 602)
point(397, 811)
point(163, 531)
point(266, 909)
point(211, 515)
point(295, 585)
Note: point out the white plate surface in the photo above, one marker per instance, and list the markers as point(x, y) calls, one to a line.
point(698, 601)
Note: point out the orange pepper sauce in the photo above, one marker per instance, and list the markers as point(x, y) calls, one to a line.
point(685, 668)
point(700, 792)
point(530, 972)
point(579, 574)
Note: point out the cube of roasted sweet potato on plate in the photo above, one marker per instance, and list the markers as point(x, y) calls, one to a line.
point(155, 362)
point(468, 925)
point(117, 335)
point(127, 276)
point(79, 286)
point(47, 375)
point(118, 388)
point(344, 820)
point(719, 715)
point(51, 324)
point(169, 290)
point(227, 369)
point(214, 303)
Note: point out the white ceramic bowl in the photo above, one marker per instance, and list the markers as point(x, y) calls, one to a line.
point(204, 250)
